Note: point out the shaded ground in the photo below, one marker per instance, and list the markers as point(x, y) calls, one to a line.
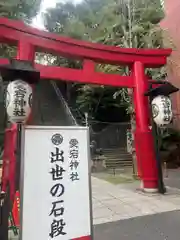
point(164, 226)
point(115, 179)
point(124, 176)
point(173, 179)
point(120, 176)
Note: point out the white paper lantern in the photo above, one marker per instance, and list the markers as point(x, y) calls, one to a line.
point(162, 110)
point(18, 101)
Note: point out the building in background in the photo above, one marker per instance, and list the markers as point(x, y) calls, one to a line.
point(171, 30)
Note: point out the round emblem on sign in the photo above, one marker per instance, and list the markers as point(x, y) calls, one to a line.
point(155, 110)
point(57, 139)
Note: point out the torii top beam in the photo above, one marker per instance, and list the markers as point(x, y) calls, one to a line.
point(11, 31)
point(17, 33)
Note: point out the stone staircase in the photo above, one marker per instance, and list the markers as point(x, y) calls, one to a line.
point(117, 158)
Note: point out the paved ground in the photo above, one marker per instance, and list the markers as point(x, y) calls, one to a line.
point(163, 226)
point(153, 225)
point(116, 202)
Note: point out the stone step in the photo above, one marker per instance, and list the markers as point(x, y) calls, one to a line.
point(111, 160)
point(122, 155)
point(115, 152)
point(116, 158)
point(115, 149)
point(116, 164)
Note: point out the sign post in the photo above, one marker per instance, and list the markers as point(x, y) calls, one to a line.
point(55, 190)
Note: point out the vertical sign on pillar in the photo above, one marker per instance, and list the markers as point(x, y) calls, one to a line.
point(55, 191)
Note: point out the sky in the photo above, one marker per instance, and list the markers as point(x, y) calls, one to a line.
point(45, 4)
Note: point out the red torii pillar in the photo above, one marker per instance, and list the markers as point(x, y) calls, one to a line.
point(144, 142)
point(30, 39)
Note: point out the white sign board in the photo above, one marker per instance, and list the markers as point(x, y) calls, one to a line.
point(56, 199)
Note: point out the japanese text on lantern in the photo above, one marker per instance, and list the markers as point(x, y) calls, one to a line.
point(74, 159)
point(19, 101)
point(167, 108)
point(57, 190)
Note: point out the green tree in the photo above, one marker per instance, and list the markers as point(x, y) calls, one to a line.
point(120, 23)
point(23, 10)
point(19, 9)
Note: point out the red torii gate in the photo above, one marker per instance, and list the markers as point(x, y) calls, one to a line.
point(30, 40)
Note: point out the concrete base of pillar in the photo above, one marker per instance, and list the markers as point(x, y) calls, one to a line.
point(150, 190)
point(147, 190)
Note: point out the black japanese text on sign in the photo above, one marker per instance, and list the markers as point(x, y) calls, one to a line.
point(167, 109)
point(74, 159)
point(57, 190)
point(19, 102)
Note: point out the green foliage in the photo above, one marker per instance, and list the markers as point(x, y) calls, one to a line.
point(169, 146)
point(119, 23)
point(19, 9)
point(99, 99)
point(169, 137)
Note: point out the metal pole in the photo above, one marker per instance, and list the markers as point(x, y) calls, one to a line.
point(18, 155)
point(4, 214)
point(161, 187)
point(86, 118)
point(5, 204)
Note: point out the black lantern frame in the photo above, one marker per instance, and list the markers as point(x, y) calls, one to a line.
point(19, 69)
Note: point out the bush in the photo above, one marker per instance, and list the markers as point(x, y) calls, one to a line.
point(169, 144)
